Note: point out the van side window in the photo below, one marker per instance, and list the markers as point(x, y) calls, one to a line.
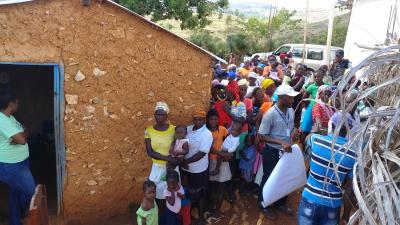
point(283, 49)
point(315, 54)
point(297, 52)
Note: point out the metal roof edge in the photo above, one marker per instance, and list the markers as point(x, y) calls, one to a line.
point(9, 2)
point(165, 30)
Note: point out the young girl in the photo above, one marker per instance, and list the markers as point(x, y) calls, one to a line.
point(216, 184)
point(147, 214)
point(180, 147)
point(174, 193)
point(246, 164)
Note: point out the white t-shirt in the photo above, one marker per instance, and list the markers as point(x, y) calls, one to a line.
point(231, 143)
point(250, 90)
point(178, 202)
point(259, 81)
point(200, 140)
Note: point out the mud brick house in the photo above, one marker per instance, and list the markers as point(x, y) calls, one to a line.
point(88, 78)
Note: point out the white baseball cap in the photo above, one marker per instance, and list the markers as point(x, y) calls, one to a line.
point(285, 89)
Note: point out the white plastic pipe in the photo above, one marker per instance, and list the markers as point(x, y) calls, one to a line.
point(330, 31)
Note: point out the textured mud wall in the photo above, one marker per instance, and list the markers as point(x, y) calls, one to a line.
point(127, 67)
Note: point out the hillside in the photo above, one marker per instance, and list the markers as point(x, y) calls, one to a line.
point(217, 27)
point(223, 24)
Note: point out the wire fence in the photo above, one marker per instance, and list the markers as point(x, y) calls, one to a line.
point(376, 138)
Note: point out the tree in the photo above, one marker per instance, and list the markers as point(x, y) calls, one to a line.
point(191, 13)
point(282, 22)
point(257, 27)
point(204, 39)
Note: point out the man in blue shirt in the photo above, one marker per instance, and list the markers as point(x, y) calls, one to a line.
point(277, 130)
point(322, 197)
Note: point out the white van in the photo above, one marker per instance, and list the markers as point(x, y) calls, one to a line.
point(315, 55)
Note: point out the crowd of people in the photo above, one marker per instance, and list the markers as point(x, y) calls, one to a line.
point(258, 110)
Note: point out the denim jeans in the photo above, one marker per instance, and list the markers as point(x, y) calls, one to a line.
point(19, 179)
point(315, 214)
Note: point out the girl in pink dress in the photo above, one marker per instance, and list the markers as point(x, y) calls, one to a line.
point(180, 147)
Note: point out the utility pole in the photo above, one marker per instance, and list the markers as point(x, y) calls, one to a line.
point(269, 27)
point(305, 33)
point(330, 31)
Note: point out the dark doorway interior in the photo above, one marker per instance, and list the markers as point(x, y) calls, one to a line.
point(34, 87)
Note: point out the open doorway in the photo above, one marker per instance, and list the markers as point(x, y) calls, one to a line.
point(38, 90)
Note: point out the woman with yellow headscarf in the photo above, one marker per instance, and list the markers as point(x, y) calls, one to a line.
point(268, 86)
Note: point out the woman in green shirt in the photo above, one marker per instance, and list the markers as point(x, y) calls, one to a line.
point(14, 153)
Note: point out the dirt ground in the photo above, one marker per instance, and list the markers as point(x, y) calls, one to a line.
point(244, 211)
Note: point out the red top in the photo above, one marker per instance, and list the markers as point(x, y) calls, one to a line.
point(322, 112)
point(233, 87)
point(223, 118)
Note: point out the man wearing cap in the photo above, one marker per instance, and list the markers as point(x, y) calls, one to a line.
point(322, 197)
point(277, 130)
point(339, 65)
point(195, 164)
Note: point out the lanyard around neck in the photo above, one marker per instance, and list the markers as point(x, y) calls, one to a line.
point(285, 118)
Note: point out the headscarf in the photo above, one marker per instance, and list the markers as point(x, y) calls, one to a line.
point(266, 83)
point(162, 106)
point(232, 75)
point(215, 83)
point(199, 113)
point(253, 75)
point(231, 66)
point(243, 82)
point(322, 89)
point(261, 66)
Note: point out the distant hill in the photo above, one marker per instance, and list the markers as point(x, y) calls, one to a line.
point(220, 22)
point(217, 27)
point(249, 8)
point(260, 9)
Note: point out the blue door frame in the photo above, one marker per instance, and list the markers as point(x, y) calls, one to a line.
point(58, 123)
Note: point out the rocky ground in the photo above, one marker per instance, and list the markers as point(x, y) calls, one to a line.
point(245, 211)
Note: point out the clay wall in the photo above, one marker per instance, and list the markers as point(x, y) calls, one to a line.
point(135, 65)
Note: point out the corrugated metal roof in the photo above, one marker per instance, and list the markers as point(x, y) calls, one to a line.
point(165, 30)
point(5, 2)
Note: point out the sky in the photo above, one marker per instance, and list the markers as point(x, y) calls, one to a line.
point(291, 4)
